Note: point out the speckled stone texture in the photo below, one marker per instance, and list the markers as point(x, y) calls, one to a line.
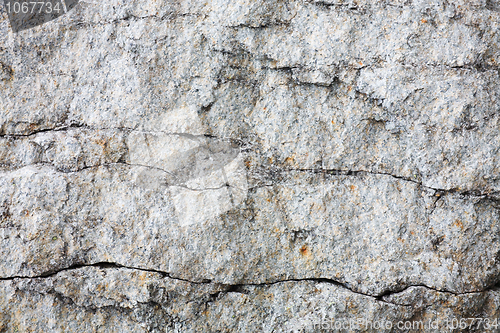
point(252, 166)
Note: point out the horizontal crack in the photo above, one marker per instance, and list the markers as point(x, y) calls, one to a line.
point(130, 17)
point(239, 288)
point(476, 193)
point(326, 4)
point(442, 191)
point(62, 129)
point(101, 265)
point(91, 128)
point(261, 26)
point(181, 185)
point(470, 193)
point(454, 293)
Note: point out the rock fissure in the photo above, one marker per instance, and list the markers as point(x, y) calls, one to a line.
point(439, 192)
point(130, 17)
point(362, 183)
point(239, 287)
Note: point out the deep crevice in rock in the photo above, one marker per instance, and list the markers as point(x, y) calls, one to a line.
point(241, 288)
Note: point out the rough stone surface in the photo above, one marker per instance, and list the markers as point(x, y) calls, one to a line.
point(251, 166)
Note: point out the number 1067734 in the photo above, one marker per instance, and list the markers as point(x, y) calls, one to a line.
point(32, 7)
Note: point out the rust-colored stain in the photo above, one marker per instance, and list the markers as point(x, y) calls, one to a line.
point(349, 88)
point(458, 223)
point(101, 142)
point(303, 250)
point(248, 164)
point(423, 20)
point(352, 187)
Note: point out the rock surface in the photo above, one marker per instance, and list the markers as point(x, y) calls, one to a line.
point(252, 166)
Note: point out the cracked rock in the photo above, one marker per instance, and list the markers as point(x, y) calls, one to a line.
point(247, 166)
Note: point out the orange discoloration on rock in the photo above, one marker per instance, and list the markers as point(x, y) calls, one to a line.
point(101, 142)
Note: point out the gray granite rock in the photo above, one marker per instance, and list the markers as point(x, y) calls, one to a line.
point(247, 166)
point(112, 299)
